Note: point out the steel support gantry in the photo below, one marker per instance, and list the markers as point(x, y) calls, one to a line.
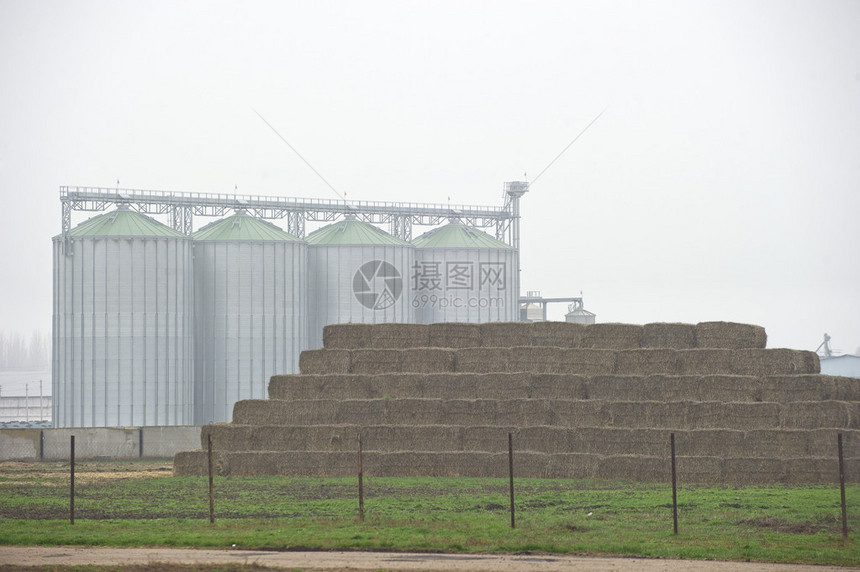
point(182, 207)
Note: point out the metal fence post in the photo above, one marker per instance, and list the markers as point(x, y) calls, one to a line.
point(72, 481)
point(842, 486)
point(674, 487)
point(211, 485)
point(511, 473)
point(360, 483)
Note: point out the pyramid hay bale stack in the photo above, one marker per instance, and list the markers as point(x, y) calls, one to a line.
point(581, 401)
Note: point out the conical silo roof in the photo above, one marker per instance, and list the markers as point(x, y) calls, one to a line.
point(243, 226)
point(352, 232)
point(123, 222)
point(457, 235)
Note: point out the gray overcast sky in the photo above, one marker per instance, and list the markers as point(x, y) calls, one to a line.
point(722, 183)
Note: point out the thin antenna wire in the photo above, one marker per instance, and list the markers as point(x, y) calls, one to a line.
point(566, 148)
point(342, 197)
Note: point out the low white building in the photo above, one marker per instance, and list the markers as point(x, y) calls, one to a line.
point(847, 365)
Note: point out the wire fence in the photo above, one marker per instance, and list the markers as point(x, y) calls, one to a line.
point(105, 489)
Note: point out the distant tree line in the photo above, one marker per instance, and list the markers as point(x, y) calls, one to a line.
point(18, 352)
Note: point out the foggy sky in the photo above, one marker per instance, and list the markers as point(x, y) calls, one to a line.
point(721, 183)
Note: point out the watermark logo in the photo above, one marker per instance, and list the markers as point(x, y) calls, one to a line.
point(463, 275)
point(377, 285)
point(459, 284)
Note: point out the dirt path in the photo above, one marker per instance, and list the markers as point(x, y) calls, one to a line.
point(371, 561)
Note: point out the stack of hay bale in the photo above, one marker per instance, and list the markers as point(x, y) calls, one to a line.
point(582, 401)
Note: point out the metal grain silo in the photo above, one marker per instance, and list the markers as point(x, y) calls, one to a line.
point(123, 340)
point(461, 274)
point(357, 273)
point(577, 314)
point(250, 281)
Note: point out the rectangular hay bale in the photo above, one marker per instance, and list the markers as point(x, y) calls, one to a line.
point(375, 360)
point(726, 387)
point(557, 386)
point(774, 362)
point(324, 361)
point(556, 334)
point(703, 469)
point(812, 470)
point(705, 362)
point(521, 412)
point(454, 335)
point(634, 468)
point(730, 335)
point(496, 385)
point(777, 442)
point(820, 415)
point(619, 441)
point(666, 335)
point(399, 336)
point(346, 336)
point(191, 463)
point(563, 466)
point(587, 362)
point(754, 471)
point(481, 360)
point(427, 360)
point(536, 359)
point(786, 388)
point(317, 386)
point(579, 413)
point(733, 415)
point(809, 387)
point(505, 334)
point(612, 336)
point(662, 387)
point(710, 442)
point(646, 362)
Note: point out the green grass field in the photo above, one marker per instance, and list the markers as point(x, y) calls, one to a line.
point(142, 504)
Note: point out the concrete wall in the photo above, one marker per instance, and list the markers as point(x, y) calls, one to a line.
point(97, 443)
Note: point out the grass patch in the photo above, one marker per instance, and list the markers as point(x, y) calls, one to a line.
point(142, 504)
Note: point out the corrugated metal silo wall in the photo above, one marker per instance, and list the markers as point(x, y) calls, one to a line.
point(332, 297)
point(465, 285)
point(123, 338)
point(251, 320)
